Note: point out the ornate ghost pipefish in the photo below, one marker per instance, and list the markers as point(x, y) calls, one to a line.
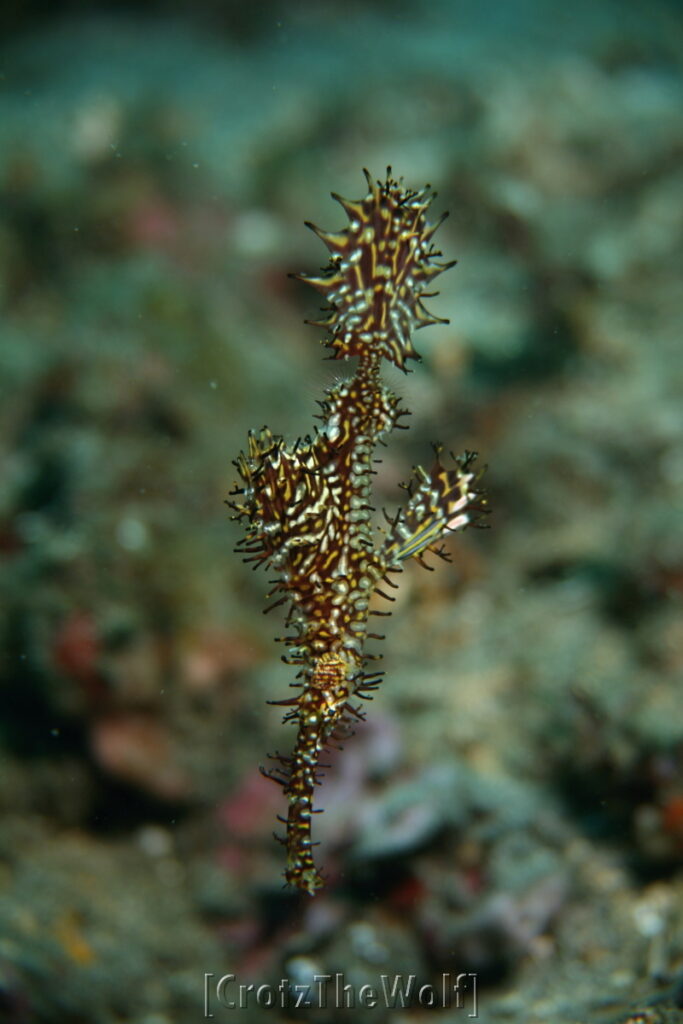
point(308, 506)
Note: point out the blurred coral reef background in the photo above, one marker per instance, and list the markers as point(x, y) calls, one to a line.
point(513, 805)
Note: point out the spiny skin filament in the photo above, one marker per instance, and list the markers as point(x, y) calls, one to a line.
point(308, 506)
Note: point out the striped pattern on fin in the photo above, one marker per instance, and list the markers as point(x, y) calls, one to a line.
point(441, 501)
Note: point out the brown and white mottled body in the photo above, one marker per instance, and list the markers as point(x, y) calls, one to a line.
point(309, 505)
point(321, 707)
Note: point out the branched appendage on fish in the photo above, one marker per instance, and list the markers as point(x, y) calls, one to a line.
point(308, 505)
